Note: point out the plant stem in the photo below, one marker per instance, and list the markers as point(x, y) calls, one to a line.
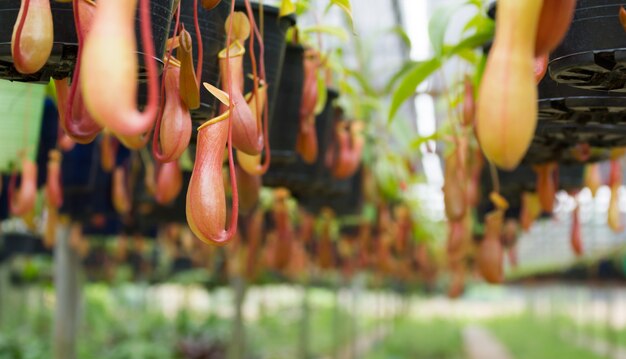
point(495, 181)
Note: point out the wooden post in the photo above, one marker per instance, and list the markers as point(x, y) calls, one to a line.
point(238, 338)
point(336, 322)
point(304, 321)
point(356, 292)
point(67, 286)
point(4, 294)
point(579, 315)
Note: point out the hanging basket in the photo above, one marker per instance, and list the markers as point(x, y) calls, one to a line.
point(300, 177)
point(65, 48)
point(570, 116)
point(213, 41)
point(275, 30)
point(285, 118)
point(21, 109)
point(14, 244)
point(87, 188)
point(593, 54)
point(345, 197)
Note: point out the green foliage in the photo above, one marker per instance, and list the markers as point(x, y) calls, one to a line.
point(522, 335)
point(123, 323)
point(22, 108)
point(421, 339)
point(438, 25)
point(336, 31)
point(391, 174)
point(477, 31)
point(530, 339)
point(345, 6)
point(19, 345)
point(276, 334)
point(419, 72)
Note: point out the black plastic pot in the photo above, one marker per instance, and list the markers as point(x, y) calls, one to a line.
point(298, 176)
point(213, 41)
point(86, 187)
point(570, 116)
point(151, 214)
point(4, 202)
point(63, 56)
point(285, 118)
point(111, 226)
point(544, 152)
point(180, 265)
point(274, 43)
point(47, 139)
point(22, 243)
point(343, 196)
point(593, 54)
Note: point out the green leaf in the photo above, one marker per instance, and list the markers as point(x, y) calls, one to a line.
point(439, 24)
point(185, 161)
point(406, 67)
point(468, 55)
point(471, 42)
point(287, 7)
point(337, 31)
point(369, 212)
point(346, 7)
point(322, 96)
point(370, 103)
point(346, 88)
point(418, 142)
point(478, 23)
point(399, 30)
point(360, 78)
point(391, 172)
point(480, 69)
point(420, 72)
point(302, 7)
point(413, 76)
point(402, 134)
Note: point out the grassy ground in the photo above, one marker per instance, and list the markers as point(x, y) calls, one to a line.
point(527, 338)
point(115, 326)
point(437, 339)
point(278, 335)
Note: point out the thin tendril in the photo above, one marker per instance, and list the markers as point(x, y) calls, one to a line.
point(150, 63)
point(259, 35)
point(200, 44)
point(69, 107)
point(253, 62)
point(495, 180)
point(231, 163)
point(11, 190)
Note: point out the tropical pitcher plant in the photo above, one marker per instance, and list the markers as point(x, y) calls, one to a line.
point(507, 103)
point(101, 95)
point(238, 125)
point(343, 157)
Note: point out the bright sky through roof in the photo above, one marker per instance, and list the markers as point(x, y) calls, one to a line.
point(416, 25)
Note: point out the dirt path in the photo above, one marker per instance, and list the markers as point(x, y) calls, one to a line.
point(363, 345)
point(598, 346)
point(479, 343)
